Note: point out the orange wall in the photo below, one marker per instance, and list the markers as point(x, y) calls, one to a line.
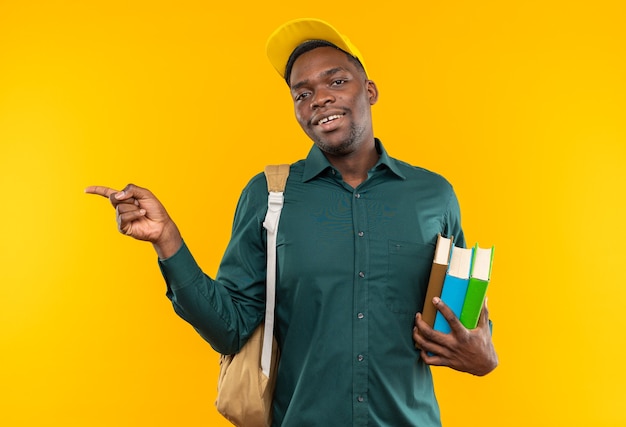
point(521, 105)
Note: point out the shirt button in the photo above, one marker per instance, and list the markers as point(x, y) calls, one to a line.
point(360, 315)
point(360, 399)
point(361, 234)
point(361, 274)
point(357, 195)
point(360, 358)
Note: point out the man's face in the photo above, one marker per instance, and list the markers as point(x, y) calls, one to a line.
point(332, 100)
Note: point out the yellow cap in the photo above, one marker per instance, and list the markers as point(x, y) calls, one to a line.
point(290, 35)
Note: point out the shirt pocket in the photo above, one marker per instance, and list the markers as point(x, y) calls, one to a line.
point(409, 266)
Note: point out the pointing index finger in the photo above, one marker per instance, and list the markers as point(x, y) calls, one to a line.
point(100, 190)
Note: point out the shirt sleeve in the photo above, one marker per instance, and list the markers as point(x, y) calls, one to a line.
point(225, 310)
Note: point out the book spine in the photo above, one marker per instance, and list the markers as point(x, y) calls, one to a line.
point(435, 284)
point(474, 299)
point(452, 294)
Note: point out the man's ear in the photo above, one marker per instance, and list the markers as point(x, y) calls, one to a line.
point(372, 91)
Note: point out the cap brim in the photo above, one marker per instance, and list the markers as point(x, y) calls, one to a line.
point(290, 35)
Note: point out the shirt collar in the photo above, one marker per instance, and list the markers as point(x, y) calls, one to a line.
point(316, 162)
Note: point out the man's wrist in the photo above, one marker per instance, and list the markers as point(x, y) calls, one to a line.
point(169, 242)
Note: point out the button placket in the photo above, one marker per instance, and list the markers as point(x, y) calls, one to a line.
point(361, 291)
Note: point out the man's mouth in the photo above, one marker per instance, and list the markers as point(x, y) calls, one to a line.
point(328, 119)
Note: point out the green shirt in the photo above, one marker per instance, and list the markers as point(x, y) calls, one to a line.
point(353, 266)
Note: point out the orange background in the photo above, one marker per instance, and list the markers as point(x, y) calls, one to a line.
point(521, 105)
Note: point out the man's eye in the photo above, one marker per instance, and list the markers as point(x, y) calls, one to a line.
point(302, 96)
point(338, 82)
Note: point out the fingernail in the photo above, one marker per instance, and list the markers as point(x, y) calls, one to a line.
point(436, 300)
point(142, 211)
point(119, 195)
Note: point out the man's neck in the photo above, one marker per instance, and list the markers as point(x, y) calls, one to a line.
point(354, 167)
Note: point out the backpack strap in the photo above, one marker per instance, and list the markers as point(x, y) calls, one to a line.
point(276, 176)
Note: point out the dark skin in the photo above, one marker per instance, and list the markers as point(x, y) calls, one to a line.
point(325, 84)
point(465, 350)
point(142, 216)
point(332, 102)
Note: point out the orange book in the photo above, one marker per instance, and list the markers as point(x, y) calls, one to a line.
point(437, 275)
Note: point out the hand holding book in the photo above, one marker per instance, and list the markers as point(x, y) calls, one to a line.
point(462, 287)
point(456, 294)
point(466, 350)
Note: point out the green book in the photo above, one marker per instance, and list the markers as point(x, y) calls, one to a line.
point(477, 286)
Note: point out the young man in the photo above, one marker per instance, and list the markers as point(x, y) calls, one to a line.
point(355, 246)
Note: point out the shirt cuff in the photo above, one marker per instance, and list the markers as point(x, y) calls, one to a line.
point(180, 269)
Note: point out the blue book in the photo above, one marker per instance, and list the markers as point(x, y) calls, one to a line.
point(455, 285)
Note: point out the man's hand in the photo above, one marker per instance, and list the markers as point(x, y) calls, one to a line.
point(462, 349)
point(141, 216)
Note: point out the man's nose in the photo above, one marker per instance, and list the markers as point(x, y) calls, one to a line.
point(321, 98)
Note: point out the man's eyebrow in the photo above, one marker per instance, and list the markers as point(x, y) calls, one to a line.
point(299, 85)
point(332, 71)
point(323, 74)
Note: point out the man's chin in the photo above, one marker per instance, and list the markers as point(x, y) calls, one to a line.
point(335, 148)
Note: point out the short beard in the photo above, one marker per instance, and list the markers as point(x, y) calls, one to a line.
point(346, 147)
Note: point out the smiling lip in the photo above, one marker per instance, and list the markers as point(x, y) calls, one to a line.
point(326, 119)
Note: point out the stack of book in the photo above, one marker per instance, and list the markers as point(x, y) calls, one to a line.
point(460, 277)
